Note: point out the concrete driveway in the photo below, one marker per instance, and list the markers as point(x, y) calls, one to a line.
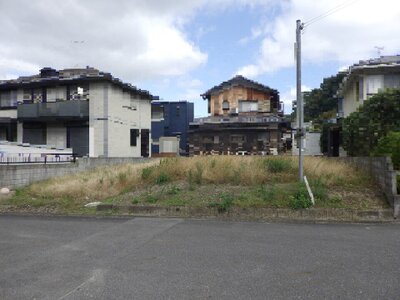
point(147, 258)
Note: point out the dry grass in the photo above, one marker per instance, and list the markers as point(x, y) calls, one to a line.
point(100, 183)
point(110, 181)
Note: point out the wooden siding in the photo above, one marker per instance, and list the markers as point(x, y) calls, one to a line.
point(234, 95)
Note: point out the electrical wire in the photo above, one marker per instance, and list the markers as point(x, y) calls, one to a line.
point(329, 12)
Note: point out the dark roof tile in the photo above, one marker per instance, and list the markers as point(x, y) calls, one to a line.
point(239, 80)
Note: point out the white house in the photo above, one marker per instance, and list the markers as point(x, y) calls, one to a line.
point(366, 79)
point(92, 112)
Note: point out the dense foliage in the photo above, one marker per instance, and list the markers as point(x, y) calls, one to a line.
point(321, 103)
point(390, 146)
point(373, 120)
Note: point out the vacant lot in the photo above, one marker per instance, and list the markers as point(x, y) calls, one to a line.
point(214, 181)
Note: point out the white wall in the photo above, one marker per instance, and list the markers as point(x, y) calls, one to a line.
point(97, 118)
point(126, 112)
point(8, 113)
point(350, 102)
point(113, 113)
point(371, 85)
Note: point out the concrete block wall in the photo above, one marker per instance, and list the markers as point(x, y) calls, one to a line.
point(19, 175)
point(381, 168)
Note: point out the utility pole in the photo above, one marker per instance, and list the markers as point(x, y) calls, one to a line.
point(300, 113)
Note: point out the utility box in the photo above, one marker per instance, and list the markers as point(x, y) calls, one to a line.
point(169, 146)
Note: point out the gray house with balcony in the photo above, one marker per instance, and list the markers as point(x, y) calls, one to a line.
point(92, 112)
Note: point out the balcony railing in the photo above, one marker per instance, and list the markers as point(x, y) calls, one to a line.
point(66, 110)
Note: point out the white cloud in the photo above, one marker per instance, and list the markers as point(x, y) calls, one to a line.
point(346, 36)
point(289, 95)
point(191, 89)
point(132, 39)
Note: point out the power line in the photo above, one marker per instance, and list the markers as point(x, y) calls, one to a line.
point(330, 12)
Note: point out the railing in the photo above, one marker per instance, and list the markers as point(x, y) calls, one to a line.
point(63, 109)
point(44, 158)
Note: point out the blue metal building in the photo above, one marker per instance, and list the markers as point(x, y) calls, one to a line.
point(171, 119)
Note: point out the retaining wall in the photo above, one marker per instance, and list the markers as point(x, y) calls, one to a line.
point(381, 168)
point(18, 175)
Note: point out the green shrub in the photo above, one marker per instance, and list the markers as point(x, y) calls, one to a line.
point(146, 173)
point(277, 165)
point(163, 178)
point(151, 199)
point(226, 202)
point(300, 199)
point(173, 190)
point(266, 194)
point(318, 188)
point(335, 199)
point(389, 146)
point(373, 120)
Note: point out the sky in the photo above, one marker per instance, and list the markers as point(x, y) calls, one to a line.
point(178, 49)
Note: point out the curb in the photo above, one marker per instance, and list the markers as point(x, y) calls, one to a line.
point(256, 214)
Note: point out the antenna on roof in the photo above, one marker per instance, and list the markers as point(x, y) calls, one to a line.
point(379, 50)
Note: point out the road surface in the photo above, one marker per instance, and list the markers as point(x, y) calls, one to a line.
point(150, 258)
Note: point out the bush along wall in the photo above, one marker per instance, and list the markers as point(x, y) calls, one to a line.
point(389, 145)
point(374, 120)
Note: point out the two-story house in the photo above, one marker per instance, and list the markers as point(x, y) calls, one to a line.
point(92, 112)
point(246, 117)
point(366, 79)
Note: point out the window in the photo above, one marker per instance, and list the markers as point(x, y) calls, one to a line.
point(208, 139)
point(373, 84)
point(8, 99)
point(75, 92)
point(157, 112)
point(134, 136)
point(37, 95)
point(237, 138)
point(357, 91)
point(27, 95)
point(248, 106)
point(225, 105)
point(392, 81)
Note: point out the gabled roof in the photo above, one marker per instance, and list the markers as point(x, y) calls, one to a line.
point(51, 77)
point(377, 66)
point(239, 80)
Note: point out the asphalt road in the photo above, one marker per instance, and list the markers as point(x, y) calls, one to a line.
point(146, 258)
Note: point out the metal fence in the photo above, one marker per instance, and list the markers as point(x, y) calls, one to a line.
point(42, 158)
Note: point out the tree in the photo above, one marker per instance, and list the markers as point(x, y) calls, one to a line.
point(389, 145)
point(373, 120)
point(321, 103)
